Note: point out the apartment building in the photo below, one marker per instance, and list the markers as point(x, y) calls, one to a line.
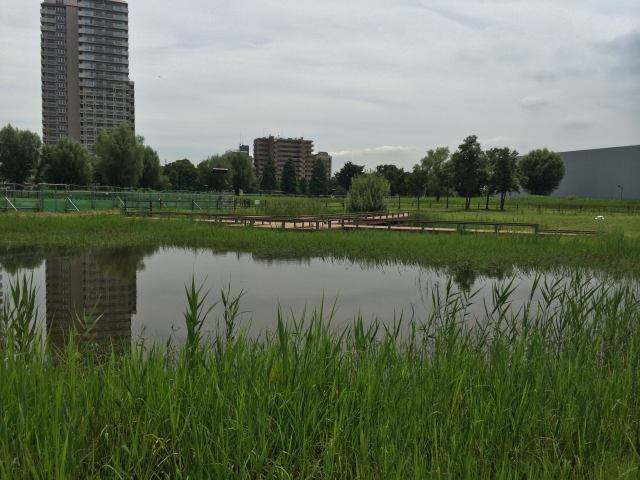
point(85, 69)
point(299, 150)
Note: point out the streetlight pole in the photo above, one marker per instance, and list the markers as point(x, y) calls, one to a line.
point(621, 190)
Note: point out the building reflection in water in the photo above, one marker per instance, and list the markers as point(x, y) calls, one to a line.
point(80, 288)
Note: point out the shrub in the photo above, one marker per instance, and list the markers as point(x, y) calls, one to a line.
point(367, 193)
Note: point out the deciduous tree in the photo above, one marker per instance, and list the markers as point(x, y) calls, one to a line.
point(434, 165)
point(467, 164)
point(542, 171)
point(120, 156)
point(211, 179)
point(19, 154)
point(67, 162)
point(182, 174)
point(503, 172)
point(417, 181)
point(396, 177)
point(347, 173)
point(151, 168)
point(367, 193)
point(243, 175)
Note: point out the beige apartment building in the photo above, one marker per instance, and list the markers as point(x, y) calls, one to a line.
point(299, 150)
point(85, 69)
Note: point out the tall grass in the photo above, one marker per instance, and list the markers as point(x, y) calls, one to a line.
point(18, 314)
point(294, 206)
point(611, 253)
point(548, 390)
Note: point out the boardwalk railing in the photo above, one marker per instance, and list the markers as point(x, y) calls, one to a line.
point(461, 226)
point(288, 222)
point(396, 221)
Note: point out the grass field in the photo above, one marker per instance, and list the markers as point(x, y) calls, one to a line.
point(551, 391)
point(57, 201)
point(614, 253)
point(627, 224)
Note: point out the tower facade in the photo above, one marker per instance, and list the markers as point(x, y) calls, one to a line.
point(85, 69)
point(280, 150)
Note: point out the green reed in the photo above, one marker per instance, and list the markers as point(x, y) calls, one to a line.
point(613, 253)
point(548, 387)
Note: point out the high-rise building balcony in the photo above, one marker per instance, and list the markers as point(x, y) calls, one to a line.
point(103, 14)
point(87, 47)
point(104, 41)
point(84, 30)
point(111, 6)
point(103, 58)
point(102, 23)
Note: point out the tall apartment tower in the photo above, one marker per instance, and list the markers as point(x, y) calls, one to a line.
point(85, 69)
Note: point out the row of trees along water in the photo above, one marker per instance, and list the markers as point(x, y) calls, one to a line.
point(122, 159)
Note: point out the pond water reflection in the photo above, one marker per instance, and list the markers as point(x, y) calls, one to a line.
point(133, 293)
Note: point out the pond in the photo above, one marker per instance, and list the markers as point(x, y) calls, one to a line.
point(138, 293)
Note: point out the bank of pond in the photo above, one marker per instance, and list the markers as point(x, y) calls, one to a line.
point(165, 362)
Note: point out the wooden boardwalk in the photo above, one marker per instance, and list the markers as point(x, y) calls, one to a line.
point(303, 222)
point(376, 221)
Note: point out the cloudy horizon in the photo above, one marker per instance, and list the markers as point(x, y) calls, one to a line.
point(368, 82)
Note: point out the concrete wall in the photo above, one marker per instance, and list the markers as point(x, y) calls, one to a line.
point(597, 173)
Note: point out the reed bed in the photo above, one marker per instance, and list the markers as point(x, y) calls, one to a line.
point(613, 253)
point(550, 389)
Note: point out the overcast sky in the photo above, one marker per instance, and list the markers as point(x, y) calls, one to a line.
point(370, 81)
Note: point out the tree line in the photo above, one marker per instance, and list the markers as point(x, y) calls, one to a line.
point(468, 172)
point(122, 159)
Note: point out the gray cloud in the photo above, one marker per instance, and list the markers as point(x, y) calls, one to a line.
point(624, 52)
point(498, 140)
point(577, 124)
point(534, 103)
point(359, 152)
point(355, 75)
